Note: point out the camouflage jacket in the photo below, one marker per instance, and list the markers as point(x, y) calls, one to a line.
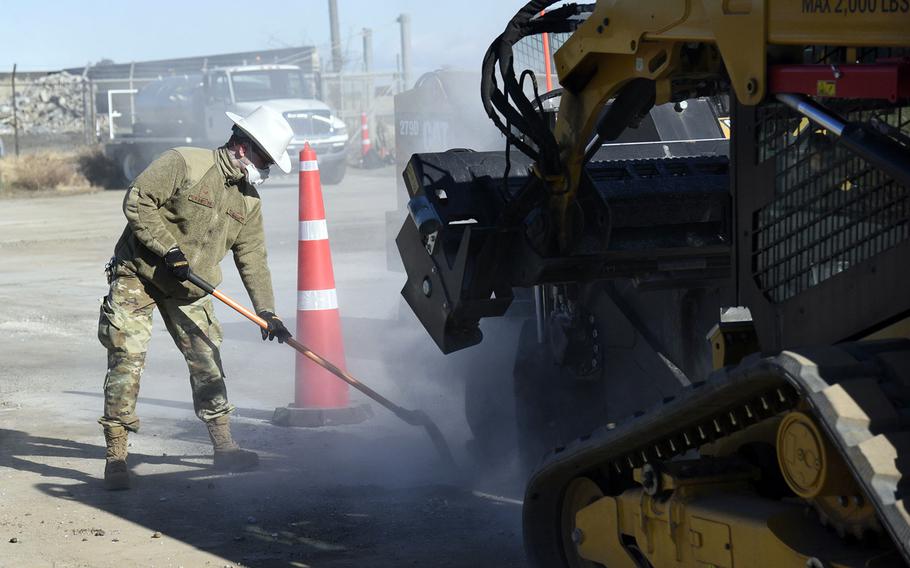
point(198, 200)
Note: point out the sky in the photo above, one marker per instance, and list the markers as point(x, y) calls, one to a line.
point(54, 34)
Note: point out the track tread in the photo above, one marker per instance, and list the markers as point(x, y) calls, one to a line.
point(847, 388)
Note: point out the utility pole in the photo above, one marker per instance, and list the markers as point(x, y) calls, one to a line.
point(367, 50)
point(335, 36)
point(132, 96)
point(405, 21)
point(15, 117)
point(87, 129)
point(367, 69)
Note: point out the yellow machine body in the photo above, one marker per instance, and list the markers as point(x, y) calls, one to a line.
point(716, 522)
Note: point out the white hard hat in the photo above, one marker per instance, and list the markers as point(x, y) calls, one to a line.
point(270, 131)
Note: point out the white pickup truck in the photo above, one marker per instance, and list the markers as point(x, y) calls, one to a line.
point(188, 110)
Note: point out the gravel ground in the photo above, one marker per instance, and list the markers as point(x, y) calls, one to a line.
point(372, 494)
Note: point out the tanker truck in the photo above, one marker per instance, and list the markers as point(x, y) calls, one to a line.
point(189, 109)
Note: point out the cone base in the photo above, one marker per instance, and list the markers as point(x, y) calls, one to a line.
point(319, 417)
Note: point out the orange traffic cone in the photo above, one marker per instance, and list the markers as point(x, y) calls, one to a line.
point(320, 399)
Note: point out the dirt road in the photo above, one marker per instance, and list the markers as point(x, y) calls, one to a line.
point(373, 494)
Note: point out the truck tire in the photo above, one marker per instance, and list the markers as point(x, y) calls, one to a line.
point(334, 174)
point(130, 164)
point(488, 412)
point(488, 400)
point(552, 407)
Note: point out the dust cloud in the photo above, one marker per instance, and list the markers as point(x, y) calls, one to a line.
point(338, 495)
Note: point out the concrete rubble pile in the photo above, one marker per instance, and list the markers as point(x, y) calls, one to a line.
point(48, 105)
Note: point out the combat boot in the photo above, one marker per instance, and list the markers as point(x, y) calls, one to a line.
point(228, 455)
point(116, 474)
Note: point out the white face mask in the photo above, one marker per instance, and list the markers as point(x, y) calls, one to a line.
point(254, 175)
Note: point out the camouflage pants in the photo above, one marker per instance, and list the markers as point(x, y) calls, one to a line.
point(125, 327)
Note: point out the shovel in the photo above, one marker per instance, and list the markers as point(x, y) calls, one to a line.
point(412, 417)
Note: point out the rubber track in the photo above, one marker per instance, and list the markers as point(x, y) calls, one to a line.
point(858, 392)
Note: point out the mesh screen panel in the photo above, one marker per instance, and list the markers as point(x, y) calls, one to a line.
point(832, 209)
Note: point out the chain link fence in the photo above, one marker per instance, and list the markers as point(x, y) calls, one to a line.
point(532, 53)
point(46, 111)
point(370, 95)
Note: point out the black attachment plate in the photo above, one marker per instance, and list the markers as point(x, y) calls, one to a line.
point(660, 221)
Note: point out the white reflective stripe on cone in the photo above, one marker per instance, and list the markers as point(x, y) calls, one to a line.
point(313, 231)
point(310, 300)
point(309, 166)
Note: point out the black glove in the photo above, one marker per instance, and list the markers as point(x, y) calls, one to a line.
point(276, 328)
point(176, 262)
